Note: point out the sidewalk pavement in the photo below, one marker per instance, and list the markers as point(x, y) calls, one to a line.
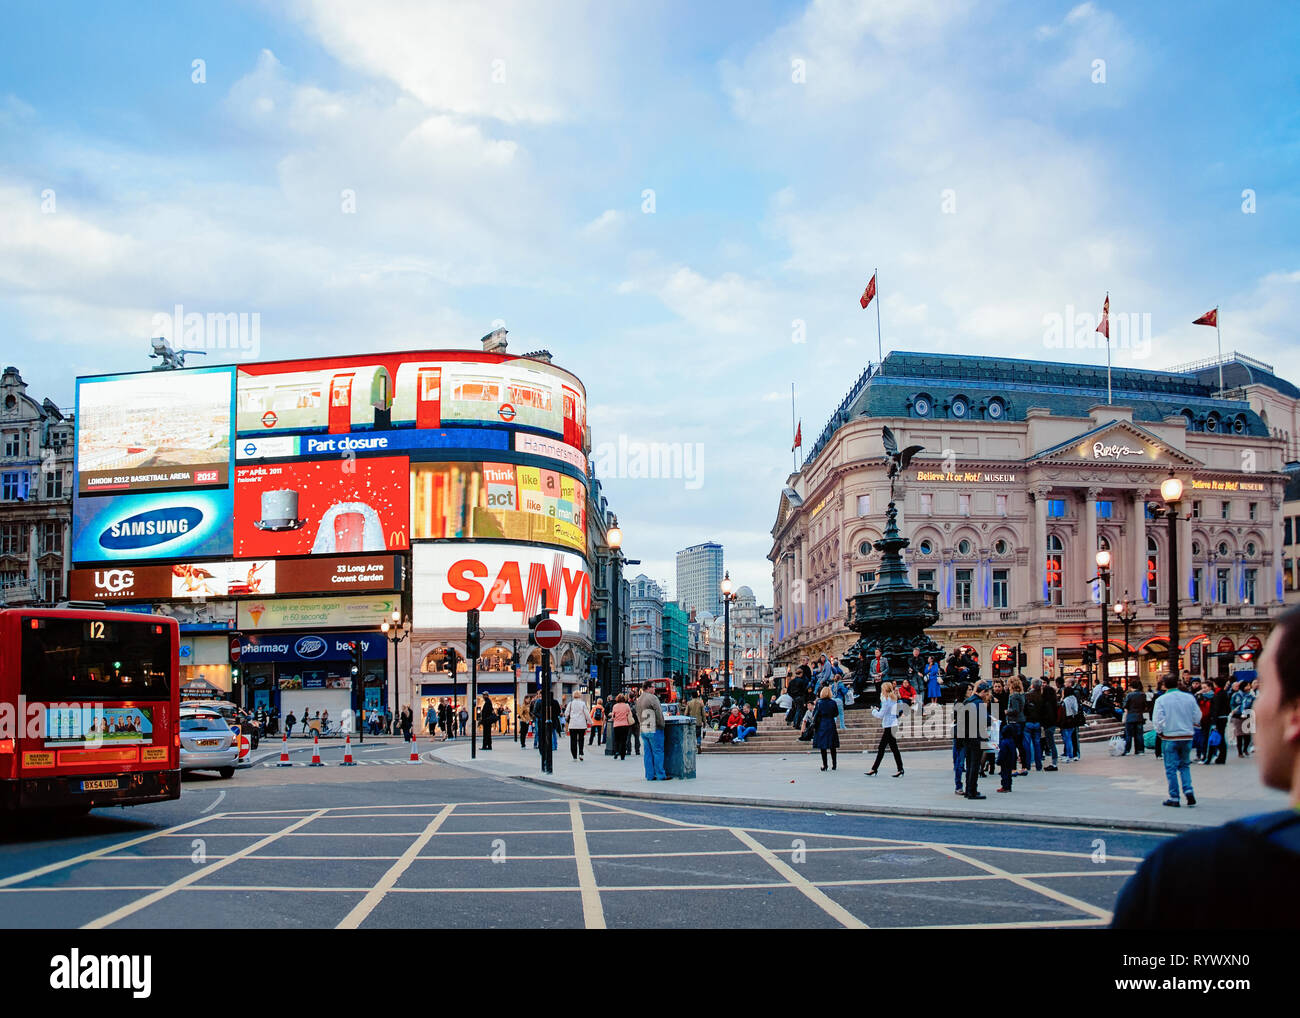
point(1099, 791)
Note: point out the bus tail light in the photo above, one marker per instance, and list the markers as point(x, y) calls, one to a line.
point(6, 745)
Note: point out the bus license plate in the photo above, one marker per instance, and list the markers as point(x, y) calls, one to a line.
point(99, 784)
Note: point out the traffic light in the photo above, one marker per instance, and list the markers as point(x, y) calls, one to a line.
point(472, 634)
point(451, 661)
point(358, 656)
point(1023, 661)
point(1089, 655)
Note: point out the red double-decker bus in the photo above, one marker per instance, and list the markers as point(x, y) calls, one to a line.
point(89, 708)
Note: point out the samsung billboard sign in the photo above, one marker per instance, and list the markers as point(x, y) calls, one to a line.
point(191, 524)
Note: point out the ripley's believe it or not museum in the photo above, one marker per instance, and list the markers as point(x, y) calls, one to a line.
point(283, 510)
point(1029, 469)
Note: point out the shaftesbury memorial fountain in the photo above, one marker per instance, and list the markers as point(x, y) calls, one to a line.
point(893, 615)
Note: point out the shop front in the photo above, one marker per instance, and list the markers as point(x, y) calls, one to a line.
point(311, 673)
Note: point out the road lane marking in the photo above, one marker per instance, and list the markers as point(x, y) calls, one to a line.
point(593, 913)
point(376, 894)
point(40, 871)
point(215, 803)
point(832, 908)
point(140, 903)
point(1077, 904)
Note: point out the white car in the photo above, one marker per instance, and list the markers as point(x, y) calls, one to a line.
point(208, 743)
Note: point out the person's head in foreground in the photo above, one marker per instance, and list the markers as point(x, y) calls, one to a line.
point(1257, 855)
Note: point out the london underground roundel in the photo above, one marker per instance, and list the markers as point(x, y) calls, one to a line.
point(507, 412)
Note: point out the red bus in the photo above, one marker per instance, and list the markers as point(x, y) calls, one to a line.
point(89, 709)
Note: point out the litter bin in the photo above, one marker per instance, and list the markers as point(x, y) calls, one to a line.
point(679, 747)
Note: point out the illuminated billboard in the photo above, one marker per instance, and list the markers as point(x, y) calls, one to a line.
point(498, 500)
point(505, 582)
point(191, 524)
point(322, 507)
point(246, 578)
point(426, 391)
point(154, 431)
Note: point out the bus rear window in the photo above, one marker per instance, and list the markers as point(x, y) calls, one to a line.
point(70, 659)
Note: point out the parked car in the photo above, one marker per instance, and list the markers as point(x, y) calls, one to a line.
point(208, 743)
point(236, 717)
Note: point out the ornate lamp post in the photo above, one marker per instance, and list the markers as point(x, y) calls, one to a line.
point(1171, 490)
point(727, 598)
point(395, 630)
point(614, 537)
point(1103, 574)
point(1125, 613)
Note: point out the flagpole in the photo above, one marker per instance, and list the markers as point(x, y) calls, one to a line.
point(880, 347)
point(1109, 400)
point(1219, 339)
point(793, 462)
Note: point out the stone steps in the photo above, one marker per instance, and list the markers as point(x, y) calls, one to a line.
point(862, 734)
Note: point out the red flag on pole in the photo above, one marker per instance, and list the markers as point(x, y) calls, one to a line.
point(1104, 326)
point(798, 437)
point(1209, 318)
point(868, 293)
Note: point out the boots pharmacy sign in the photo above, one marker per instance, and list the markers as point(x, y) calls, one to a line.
point(504, 582)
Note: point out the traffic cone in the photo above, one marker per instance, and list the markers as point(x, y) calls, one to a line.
point(347, 753)
point(284, 752)
point(315, 752)
point(415, 751)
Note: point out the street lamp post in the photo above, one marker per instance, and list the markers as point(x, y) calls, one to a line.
point(395, 631)
point(1103, 574)
point(614, 537)
point(1125, 613)
point(727, 598)
point(1171, 490)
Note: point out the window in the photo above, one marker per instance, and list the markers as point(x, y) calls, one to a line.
point(1001, 585)
point(1153, 572)
point(13, 539)
point(1196, 584)
point(925, 579)
point(54, 484)
point(1253, 510)
point(1221, 586)
point(1196, 509)
point(1225, 510)
point(866, 580)
point(13, 485)
point(1223, 549)
point(1196, 549)
point(51, 585)
point(1055, 508)
point(51, 537)
point(963, 547)
point(963, 588)
point(12, 445)
point(1002, 505)
point(1250, 549)
point(927, 546)
point(1286, 531)
point(963, 505)
point(864, 549)
point(864, 505)
point(927, 503)
point(1000, 547)
point(1055, 561)
point(1105, 510)
point(1250, 575)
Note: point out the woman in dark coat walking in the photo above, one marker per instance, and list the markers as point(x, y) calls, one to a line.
point(825, 737)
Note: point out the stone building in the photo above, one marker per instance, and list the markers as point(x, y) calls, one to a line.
point(1027, 471)
point(36, 446)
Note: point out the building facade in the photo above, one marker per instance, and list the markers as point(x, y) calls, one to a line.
point(284, 510)
point(36, 444)
point(647, 628)
point(1026, 472)
point(699, 578)
point(751, 640)
point(677, 657)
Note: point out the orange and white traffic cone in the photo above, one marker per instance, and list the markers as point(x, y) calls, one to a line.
point(315, 752)
point(284, 752)
point(415, 751)
point(347, 752)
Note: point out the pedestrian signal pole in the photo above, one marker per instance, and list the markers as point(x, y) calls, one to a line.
point(543, 722)
point(471, 651)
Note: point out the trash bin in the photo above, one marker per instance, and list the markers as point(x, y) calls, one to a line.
point(679, 747)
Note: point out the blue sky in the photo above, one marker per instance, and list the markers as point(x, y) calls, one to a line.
point(499, 154)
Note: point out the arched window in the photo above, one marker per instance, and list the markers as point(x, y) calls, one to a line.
point(1153, 572)
point(1055, 566)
